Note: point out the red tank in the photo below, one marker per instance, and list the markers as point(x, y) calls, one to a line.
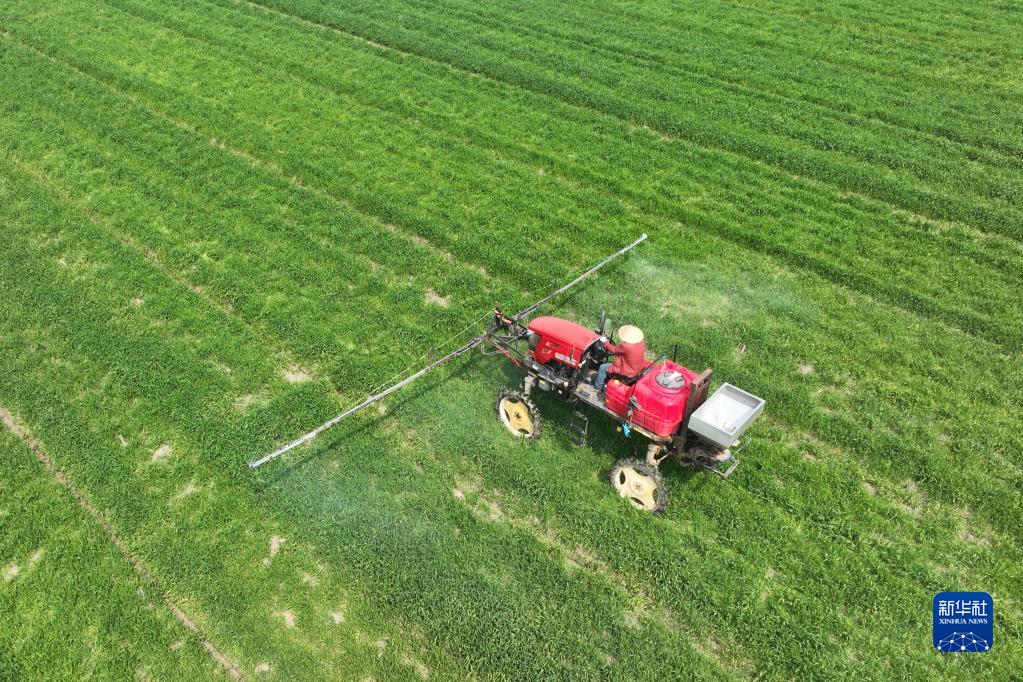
point(560, 340)
point(616, 396)
point(662, 394)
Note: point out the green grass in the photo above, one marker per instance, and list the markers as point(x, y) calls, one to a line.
point(75, 608)
point(223, 221)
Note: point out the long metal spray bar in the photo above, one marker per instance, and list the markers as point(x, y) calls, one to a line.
point(533, 308)
point(474, 343)
point(366, 403)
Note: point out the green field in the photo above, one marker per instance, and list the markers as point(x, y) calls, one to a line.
point(222, 222)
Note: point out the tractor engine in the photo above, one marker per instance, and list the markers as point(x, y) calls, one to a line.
point(560, 342)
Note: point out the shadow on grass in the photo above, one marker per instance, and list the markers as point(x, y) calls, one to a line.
point(304, 456)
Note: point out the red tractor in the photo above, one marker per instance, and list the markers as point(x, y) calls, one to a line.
point(666, 403)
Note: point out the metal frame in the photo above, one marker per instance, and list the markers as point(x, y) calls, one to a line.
point(674, 445)
point(506, 335)
point(502, 343)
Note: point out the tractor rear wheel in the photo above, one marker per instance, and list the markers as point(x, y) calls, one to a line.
point(518, 413)
point(641, 484)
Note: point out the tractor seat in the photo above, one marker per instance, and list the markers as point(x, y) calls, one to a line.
point(630, 381)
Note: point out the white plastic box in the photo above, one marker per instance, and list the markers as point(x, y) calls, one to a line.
point(724, 416)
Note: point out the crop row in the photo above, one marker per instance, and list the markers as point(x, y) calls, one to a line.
point(934, 28)
point(176, 399)
point(847, 156)
point(130, 377)
point(276, 261)
point(885, 40)
point(66, 589)
point(725, 41)
point(448, 107)
point(721, 50)
point(172, 162)
point(799, 234)
point(313, 327)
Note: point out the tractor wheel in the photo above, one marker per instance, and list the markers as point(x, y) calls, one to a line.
point(518, 414)
point(641, 484)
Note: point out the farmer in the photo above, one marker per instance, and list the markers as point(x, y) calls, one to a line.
point(630, 355)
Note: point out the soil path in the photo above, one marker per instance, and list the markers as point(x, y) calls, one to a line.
point(36, 448)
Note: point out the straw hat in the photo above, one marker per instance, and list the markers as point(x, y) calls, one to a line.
point(630, 334)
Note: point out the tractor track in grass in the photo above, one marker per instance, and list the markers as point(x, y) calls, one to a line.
point(902, 24)
point(910, 304)
point(704, 77)
point(523, 156)
point(253, 160)
point(877, 68)
point(696, 140)
point(25, 435)
point(488, 509)
point(802, 180)
point(491, 506)
point(515, 510)
point(47, 183)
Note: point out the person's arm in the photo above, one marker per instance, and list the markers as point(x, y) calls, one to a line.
point(610, 347)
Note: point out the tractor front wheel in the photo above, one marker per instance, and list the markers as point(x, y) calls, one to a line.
point(518, 413)
point(641, 484)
